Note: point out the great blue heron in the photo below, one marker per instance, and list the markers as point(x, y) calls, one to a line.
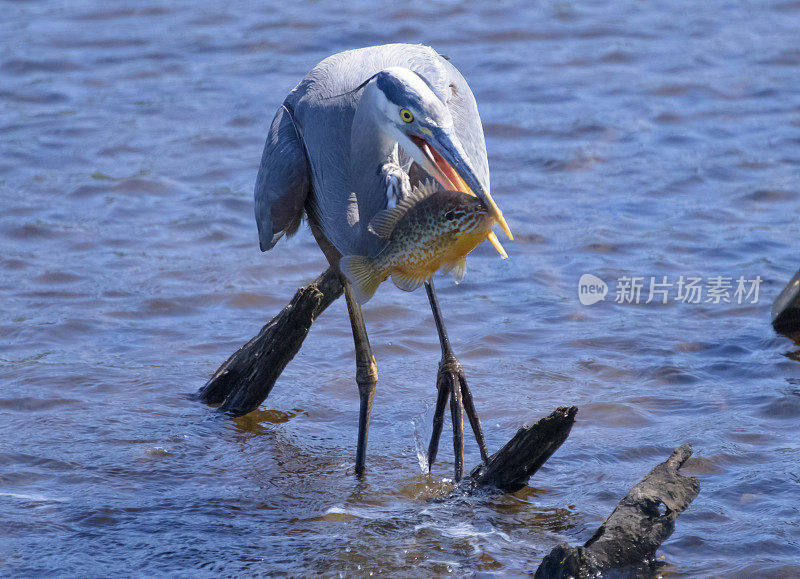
point(351, 139)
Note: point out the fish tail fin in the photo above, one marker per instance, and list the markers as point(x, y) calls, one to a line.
point(362, 275)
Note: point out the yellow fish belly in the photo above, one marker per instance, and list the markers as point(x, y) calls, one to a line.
point(410, 270)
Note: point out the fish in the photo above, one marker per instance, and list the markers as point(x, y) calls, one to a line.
point(428, 230)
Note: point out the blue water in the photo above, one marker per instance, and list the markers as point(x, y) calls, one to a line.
point(625, 139)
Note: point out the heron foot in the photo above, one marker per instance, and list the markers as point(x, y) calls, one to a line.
point(452, 384)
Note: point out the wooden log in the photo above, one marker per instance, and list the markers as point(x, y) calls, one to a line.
point(509, 469)
point(786, 308)
point(642, 520)
point(245, 380)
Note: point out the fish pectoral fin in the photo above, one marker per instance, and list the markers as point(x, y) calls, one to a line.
point(384, 222)
point(458, 269)
point(407, 283)
point(363, 276)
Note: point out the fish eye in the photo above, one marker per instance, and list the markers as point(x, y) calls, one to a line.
point(449, 215)
point(406, 115)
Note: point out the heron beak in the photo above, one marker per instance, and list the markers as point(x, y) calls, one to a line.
point(445, 160)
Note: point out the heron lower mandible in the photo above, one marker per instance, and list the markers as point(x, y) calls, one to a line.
point(361, 129)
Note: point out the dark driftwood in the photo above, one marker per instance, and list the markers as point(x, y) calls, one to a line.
point(244, 381)
point(510, 468)
point(786, 308)
point(640, 523)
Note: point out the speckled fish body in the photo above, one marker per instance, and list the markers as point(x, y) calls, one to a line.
point(429, 230)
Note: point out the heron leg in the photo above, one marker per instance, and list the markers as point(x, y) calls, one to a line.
point(366, 375)
point(452, 384)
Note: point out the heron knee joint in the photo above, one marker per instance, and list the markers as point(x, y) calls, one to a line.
point(450, 364)
point(367, 374)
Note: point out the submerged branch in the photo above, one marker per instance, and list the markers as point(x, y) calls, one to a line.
point(510, 468)
point(245, 380)
point(642, 520)
point(786, 309)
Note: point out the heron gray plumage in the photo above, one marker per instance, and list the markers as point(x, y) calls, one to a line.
point(349, 140)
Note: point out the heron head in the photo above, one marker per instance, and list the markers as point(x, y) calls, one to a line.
point(413, 115)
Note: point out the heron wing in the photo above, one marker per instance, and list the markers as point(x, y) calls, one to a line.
point(283, 183)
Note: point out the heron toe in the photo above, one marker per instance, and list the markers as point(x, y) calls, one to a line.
point(452, 384)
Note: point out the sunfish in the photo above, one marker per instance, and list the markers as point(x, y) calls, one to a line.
point(429, 229)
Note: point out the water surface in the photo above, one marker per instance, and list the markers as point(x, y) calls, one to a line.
point(626, 138)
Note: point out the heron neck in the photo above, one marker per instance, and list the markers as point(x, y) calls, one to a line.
point(370, 149)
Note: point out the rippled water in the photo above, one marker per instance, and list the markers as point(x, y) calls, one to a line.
point(626, 138)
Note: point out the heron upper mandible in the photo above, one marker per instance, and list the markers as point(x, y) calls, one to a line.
point(353, 137)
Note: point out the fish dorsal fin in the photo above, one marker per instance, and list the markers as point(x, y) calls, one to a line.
point(384, 222)
point(425, 188)
point(405, 282)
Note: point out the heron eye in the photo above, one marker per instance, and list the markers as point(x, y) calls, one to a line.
point(406, 115)
point(449, 215)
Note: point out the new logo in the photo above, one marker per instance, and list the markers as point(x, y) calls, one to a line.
point(591, 289)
